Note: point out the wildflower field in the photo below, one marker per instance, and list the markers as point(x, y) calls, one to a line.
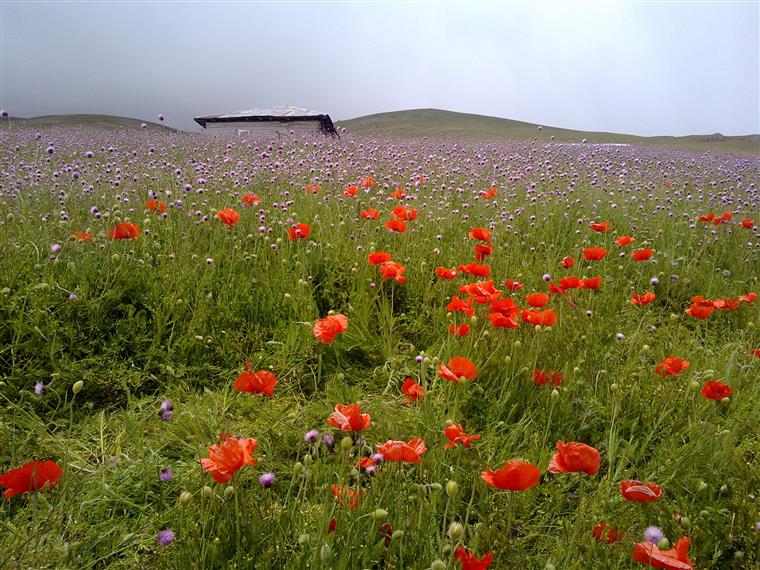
point(365, 353)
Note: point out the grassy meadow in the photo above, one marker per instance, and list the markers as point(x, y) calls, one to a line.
point(119, 357)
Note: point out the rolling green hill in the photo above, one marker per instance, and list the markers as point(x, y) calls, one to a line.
point(434, 122)
point(108, 122)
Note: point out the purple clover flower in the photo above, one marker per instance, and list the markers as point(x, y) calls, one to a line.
point(165, 537)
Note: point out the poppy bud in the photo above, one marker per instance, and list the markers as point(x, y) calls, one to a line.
point(77, 387)
point(614, 387)
point(517, 344)
point(473, 319)
point(645, 347)
point(397, 534)
point(664, 544)
point(229, 490)
point(507, 359)
point(739, 555)
point(725, 400)
point(298, 467)
point(355, 473)
point(694, 385)
point(452, 488)
point(325, 552)
point(303, 538)
point(208, 491)
point(686, 522)
point(436, 487)
point(456, 531)
point(702, 487)
point(723, 489)
point(576, 370)
point(185, 498)
point(379, 514)
point(308, 460)
point(438, 565)
point(555, 394)
point(549, 566)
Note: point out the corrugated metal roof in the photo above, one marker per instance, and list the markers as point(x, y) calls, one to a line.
point(275, 111)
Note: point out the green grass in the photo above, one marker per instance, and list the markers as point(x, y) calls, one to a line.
point(107, 122)
point(152, 320)
point(438, 123)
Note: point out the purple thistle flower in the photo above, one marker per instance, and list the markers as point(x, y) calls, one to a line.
point(165, 415)
point(56, 248)
point(328, 440)
point(165, 474)
point(653, 534)
point(378, 458)
point(39, 388)
point(165, 537)
point(167, 406)
point(654, 282)
point(267, 480)
point(311, 436)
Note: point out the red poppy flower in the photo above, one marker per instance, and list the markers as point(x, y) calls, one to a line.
point(601, 533)
point(700, 310)
point(482, 251)
point(470, 561)
point(545, 318)
point(600, 226)
point(349, 418)
point(513, 285)
point(226, 458)
point(457, 304)
point(331, 526)
point(481, 234)
point(403, 213)
point(446, 273)
point(568, 262)
point(370, 214)
point(456, 434)
point(125, 230)
point(459, 330)
point(368, 182)
point(708, 218)
point(83, 236)
point(570, 282)
point(594, 253)
point(458, 368)
point(228, 217)
point(405, 451)
point(716, 390)
point(261, 382)
point(347, 498)
point(639, 492)
point(412, 390)
point(502, 321)
point(748, 224)
point(325, 330)
point(379, 257)
point(393, 270)
point(398, 194)
point(538, 300)
point(30, 477)
point(352, 191)
point(482, 291)
point(726, 304)
point(396, 226)
point(251, 199)
point(365, 463)
point(475, 269)
point(488, 194)
point(623, 241)
point(644, 299)
point(676, 558)
point(574, 456)
point(750, 297)
point(312, 188)
point(514, 475)
point(542, 377)
point(505, 306)
point(671, 366)
point(756, 352)
point(591, 283)
point(155, 206)
point(299, 231)
point(642, 254)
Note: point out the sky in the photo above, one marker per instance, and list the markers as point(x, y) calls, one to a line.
point(646, 68)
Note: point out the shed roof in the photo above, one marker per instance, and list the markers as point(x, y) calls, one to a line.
point(283, 113)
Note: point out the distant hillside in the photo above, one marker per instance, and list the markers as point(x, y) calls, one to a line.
point(434, 122)
point(108, 122)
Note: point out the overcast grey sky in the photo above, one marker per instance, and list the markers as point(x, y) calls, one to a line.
point(635, 67)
